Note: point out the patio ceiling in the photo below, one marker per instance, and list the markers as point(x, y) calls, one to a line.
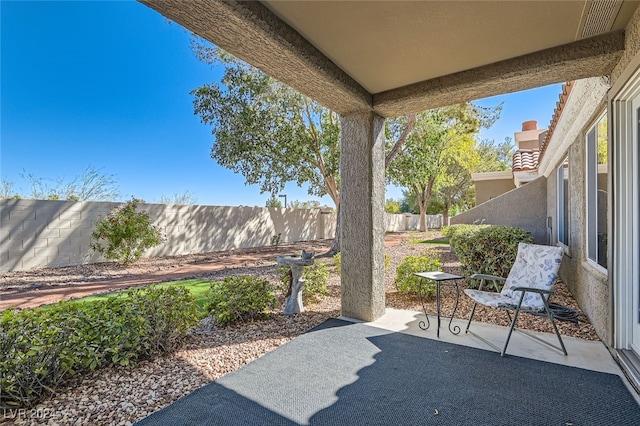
point(400, 57)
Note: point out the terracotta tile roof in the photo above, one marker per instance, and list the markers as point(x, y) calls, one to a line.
point(525, 159)
point(566, 90)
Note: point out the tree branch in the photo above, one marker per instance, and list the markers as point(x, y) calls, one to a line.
point(411, 120)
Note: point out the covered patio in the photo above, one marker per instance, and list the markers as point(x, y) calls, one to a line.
point(391, 372)
point(369, 61)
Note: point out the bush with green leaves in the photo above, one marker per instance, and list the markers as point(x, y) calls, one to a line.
point(407, 282)
point(451, 230)
point(125, 233)
point(315, 276)
point(488, 249)
point(240, 298)
point(40, 349)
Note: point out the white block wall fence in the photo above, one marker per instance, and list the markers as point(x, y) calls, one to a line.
point(45, 233)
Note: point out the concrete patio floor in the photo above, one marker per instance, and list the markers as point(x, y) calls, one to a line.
point(590, 355)
point(385, 372)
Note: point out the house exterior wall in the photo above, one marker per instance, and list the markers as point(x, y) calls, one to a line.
point(488, 189)
point(525, 208)
point(529, 144)
point(587, 283)
point(591, 287)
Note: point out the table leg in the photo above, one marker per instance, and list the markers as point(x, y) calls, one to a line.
point(438, 307)
point(455, 329)
point(421, 324)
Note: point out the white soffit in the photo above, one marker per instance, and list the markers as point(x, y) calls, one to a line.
point(389, 44)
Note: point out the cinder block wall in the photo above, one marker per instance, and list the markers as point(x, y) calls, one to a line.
point(43, 233)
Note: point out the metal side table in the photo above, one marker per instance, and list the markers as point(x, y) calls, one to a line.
point(440, 279)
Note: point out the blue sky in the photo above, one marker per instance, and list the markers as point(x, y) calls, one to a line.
point(107, 85)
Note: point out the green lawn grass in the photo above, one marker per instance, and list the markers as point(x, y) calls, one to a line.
point(432, 241)
point(197, 287)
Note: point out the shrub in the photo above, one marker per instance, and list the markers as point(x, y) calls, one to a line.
point(125, 233)
point(170, 312)
point(488, 249)
point(337, 261)
point(41, 348)
point(451, 230)
point(407, 282)
point(240, 298)
point(315, 276)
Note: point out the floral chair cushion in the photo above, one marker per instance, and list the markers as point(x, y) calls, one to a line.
point(536, 266)
point(491, 298)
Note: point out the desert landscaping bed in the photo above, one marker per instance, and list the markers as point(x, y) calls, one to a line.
point(120, 396)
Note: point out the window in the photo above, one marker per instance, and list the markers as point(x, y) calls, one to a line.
point(597, 179)
point(563, 202)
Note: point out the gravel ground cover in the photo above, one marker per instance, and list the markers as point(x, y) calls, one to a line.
point(120, 396)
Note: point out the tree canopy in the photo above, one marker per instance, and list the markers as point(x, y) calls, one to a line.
point(272, 135)
point(440, 153)
point(267, 131)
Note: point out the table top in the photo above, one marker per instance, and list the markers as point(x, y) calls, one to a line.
point(438, 276)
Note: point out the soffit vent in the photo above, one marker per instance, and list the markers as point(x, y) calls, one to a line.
point(599, 17)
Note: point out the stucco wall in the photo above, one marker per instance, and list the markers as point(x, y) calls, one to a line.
point(39, 233)
point(525, 207)
point(488, 189)
point(587, 283)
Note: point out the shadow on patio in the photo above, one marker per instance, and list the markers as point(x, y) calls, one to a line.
point(387, 372)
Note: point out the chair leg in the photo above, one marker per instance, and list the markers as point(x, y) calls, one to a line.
point(553, 322)
point(513, 324)
point(473, 311)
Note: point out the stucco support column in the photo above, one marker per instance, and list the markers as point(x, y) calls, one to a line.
point(362, 215)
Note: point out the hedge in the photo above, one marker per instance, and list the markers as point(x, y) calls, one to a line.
point(487, 249)
point(41, 348)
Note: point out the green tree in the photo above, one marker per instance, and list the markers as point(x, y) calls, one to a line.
point(274, 202)
point(409, 203)
point(436, 147)
point(309, 204)
point(602, 141)
point(392, 206)
point(270, 133)
point(495, 156)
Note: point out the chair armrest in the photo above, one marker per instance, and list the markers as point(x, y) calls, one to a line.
point(486, 277)
point(533, 290)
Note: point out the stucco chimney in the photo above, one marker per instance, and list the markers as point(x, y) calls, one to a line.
point(529, 125)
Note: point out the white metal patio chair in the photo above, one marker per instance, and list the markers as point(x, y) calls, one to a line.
point(526, 289)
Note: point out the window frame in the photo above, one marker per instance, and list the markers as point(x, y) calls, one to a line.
point(563, 202)
point(591, 194)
